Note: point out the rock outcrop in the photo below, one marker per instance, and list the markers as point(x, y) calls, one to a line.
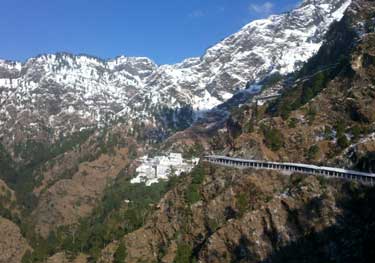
point(12, 243)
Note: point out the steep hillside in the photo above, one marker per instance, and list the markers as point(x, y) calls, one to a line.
point(12, 244)
point(325, 112)
point(327, 115)
point(225, 215)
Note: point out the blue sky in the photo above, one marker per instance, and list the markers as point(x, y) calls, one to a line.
point(167, 31)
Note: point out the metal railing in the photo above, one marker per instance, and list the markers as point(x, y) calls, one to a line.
point(292, 167)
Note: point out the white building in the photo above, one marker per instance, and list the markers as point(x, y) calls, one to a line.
point(151, 170)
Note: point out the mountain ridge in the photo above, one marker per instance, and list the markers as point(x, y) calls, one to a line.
point(42, 93)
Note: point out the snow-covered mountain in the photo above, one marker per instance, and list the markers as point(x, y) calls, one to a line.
point(56, 94)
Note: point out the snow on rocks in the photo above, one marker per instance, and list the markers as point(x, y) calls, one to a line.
point(136, 89)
